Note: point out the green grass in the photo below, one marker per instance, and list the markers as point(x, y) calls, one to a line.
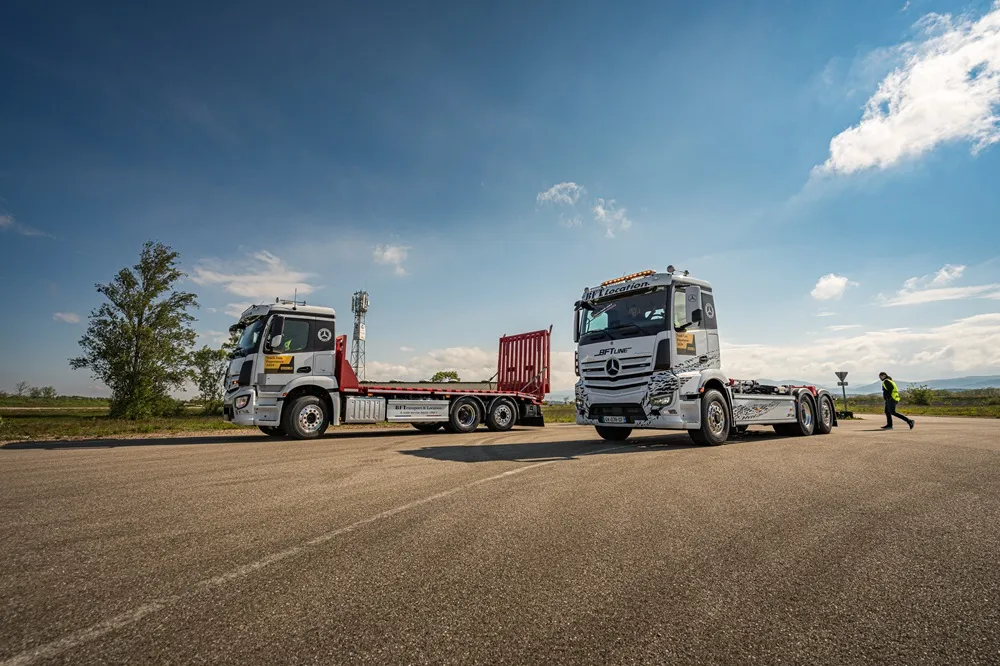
point(983, 403)
point(59, 401)
point(73, 424)
point(559, 413)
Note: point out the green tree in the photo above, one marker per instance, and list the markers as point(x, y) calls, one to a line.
point(918, 395)
point(21, 388)
point(445, 376)
point(208, 372)
point(35, 392)
point(48, 392)
point(137, 343)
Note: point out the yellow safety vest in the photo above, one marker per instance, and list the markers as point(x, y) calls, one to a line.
point(895, 389)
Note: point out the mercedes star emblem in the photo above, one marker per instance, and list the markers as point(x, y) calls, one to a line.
point(613, 367)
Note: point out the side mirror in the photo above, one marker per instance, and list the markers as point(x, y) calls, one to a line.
point(692, 306)
point(576, 326)
point(274, 332)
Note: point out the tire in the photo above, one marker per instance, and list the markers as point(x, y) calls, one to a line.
point(805, 413)
point(464, 415)
point(305, 418)
point(272, 431)
point(824, 420)
point(613, 434)
point(715, 420)
point(501, 415)
point(427, 427)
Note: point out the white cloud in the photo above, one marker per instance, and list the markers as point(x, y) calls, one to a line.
point(562, 193)
point(826, 314)
point(948, 89)
point(68, 317)
point(406, 349)
point(830, 287)
point(236, 309)
point(612, 218)
point(930, 289)
point(948, 273)
point(8, 223)
point(391, 255)
point(967, 345)
point(215, 338)
point(906, 6)
point(570, 222)
point(471, 363)
point(261, 277)
point(843, 327)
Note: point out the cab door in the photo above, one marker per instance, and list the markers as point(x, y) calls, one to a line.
point(691, 345)
point(288, 352)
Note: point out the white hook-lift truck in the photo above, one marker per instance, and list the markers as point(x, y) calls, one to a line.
point(648, 357)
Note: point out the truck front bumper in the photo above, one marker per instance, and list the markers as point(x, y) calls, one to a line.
point(239, 408)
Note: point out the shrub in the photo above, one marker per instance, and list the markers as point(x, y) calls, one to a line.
point(918, 395)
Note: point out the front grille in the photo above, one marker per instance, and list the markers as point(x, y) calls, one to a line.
point(630, 410)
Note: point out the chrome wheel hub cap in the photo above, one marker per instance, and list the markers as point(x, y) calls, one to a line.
point(310, 418)
point(716, 419)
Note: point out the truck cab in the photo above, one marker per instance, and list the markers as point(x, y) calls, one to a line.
point(648, 357)
point(282, 346)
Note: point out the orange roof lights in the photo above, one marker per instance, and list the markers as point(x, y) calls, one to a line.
point(624, 278)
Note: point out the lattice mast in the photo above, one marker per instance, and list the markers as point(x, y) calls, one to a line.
point(359, 306)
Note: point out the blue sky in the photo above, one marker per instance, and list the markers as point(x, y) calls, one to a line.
point(806, 158)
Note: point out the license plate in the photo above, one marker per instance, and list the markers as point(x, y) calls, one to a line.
point(613, 419)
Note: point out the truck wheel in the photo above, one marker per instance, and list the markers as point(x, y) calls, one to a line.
point(613, 434)
point(464, 415)
point(824, 420)
point(502, 415)
point(305, 418)
point(805, 413)
point(714, 420)
point(272, 431)
point(427, 427)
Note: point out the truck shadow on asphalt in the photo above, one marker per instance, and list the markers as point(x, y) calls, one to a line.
point(543, 451)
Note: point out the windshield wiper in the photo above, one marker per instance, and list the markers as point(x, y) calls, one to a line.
point(630, 325)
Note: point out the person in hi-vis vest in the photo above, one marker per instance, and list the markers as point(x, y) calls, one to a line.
point(890, 393)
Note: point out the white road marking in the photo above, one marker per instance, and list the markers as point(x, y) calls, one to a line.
point(134, 615)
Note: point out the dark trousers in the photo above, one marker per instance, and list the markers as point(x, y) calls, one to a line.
point(890, 411)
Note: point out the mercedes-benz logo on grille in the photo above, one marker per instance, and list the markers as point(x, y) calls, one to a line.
point(613, 367)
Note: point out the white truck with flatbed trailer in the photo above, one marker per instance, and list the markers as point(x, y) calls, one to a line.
point(648, 357)
point(289, 375)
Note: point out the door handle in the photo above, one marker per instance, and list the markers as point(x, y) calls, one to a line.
point(304, 368)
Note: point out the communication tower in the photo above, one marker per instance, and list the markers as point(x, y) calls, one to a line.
point(359, 306)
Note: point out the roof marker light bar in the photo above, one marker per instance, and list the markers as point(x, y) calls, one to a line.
point(628, 277)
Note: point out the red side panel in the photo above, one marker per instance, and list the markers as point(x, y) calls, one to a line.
point(524, 363)
point(346, 379)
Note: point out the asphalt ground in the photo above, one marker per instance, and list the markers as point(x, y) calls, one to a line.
point(533, 546)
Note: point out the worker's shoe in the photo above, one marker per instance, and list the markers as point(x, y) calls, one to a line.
point(886, 427)
point(911, 424)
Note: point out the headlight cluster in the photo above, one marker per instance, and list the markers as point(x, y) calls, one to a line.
point(241, 401)
point(662, 400)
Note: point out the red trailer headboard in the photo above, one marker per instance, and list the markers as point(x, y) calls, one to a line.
point(524, 363)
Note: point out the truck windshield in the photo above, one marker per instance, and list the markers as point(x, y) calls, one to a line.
point(625, 316)
point(250, 338)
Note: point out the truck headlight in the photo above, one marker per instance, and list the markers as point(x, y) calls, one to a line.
point(662, 400)
point(241, 401)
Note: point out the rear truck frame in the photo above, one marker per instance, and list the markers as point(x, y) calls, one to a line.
point(290, 377)
point(648, 358)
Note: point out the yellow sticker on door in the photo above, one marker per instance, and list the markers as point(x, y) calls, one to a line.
point(279, 364)
point(685, 343)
